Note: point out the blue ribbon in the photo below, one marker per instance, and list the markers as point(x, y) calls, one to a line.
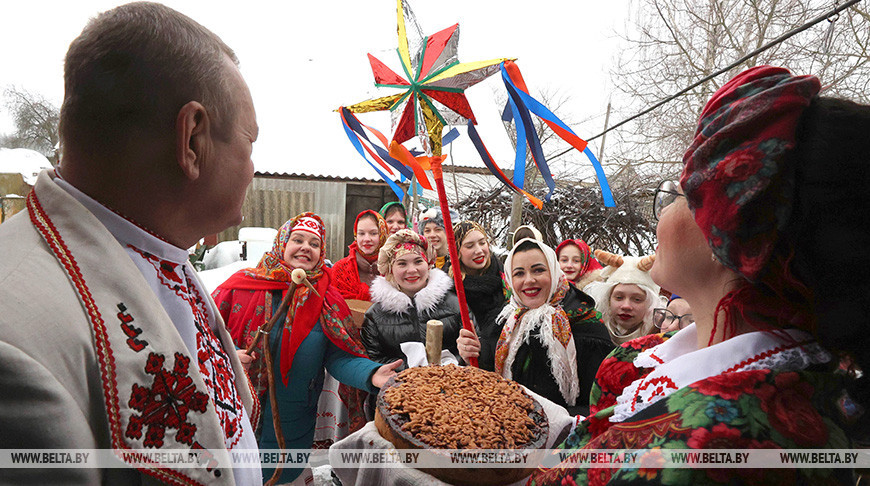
point(541, 111)
point(354, 125)
point(531, 136)
point(358, 145)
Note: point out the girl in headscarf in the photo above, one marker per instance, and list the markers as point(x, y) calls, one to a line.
point(409, 294)
point(485, 288)
point(577, 262)
point(395, 215)
point(355, 273)
point(552, 340)
point(318, 335)
point(432, 228)
point(626, 297)
point(755, 237)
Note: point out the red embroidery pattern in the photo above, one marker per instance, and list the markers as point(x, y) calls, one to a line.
point(766, 354)
point(108, 373)
point(662, 383)
point(214, 364)
point(44, 225)
point(166, 403)
point(130, 330)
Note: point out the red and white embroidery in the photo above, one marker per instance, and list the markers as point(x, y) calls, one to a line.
point(166, 403)
point(678, 363)
point(102, 345)
point(213, 363)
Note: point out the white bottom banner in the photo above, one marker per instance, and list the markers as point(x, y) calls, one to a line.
point(442, 458)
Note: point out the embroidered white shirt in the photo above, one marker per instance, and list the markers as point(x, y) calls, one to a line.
point(678, 362)
point(173, 280)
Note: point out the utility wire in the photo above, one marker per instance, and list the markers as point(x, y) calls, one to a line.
point(736, 63)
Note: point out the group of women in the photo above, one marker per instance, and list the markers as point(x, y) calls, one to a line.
point(745, 239)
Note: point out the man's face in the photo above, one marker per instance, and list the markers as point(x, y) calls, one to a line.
point(231, 168)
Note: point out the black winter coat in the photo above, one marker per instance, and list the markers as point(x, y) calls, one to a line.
point(395, 318)
point(486, 298)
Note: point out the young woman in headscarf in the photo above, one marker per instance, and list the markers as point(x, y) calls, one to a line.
point(316, 334)
point(577, 262)
point(485, 287)
point(395, 215)
point(355, 273)
point(626, 297)
point(408, 295)
point(432, 228)
point(766, 208)
point(552, 340)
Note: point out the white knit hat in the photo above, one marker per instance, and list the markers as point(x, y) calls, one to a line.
point(627, 270)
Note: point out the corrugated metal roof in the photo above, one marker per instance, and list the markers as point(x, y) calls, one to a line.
point(462, 169)
point(315, 177)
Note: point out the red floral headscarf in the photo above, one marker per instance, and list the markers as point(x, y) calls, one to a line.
point(589, 262)
point(383, 233)
point(306, 308)
point(737, 177)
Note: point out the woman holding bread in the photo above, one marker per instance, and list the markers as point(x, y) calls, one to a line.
point(409, 294)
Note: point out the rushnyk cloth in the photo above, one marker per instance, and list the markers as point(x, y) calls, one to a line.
point(678, 363)
point(168, 272)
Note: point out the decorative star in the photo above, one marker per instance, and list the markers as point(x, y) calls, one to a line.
point(433, 84)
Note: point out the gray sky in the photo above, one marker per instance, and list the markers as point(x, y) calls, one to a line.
point(303, 59)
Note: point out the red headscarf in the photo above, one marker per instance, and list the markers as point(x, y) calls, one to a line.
point(383, 233)
point(737, 178)
point(273, 273)
point(589, 262)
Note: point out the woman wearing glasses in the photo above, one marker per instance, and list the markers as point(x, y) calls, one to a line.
point(770, 199)
point(678, 315)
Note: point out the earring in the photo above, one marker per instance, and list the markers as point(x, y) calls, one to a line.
point(713, 258)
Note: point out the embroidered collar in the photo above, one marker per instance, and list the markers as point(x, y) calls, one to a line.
point(678, 362)
point(124, 230)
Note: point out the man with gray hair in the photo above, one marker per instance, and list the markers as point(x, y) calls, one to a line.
point(108, 340)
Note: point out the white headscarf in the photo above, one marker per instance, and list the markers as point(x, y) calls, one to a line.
point(563, 357)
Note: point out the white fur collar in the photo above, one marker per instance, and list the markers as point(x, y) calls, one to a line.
point(394, 300)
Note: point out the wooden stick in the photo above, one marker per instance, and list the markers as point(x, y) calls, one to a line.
point(297, 277)
point(434, 341)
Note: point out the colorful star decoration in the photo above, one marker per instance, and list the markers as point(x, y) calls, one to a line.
point(433, 84)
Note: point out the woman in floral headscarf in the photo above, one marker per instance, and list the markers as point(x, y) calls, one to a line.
point(577, 262)
point(552, 340)
point(319, 334)
point(409, 294)
point(355, 273)
point(767, 206)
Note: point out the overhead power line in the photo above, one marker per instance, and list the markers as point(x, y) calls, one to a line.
point(736, 63)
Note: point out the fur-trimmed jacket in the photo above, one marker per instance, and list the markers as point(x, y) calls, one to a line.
point(395, 318)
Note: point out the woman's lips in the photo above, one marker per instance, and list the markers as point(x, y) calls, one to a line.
point(624, 317)
point(479, 260)
point(532, 292)
point(412, 279)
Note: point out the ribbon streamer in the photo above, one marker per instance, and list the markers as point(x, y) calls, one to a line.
point(496, 171)
point(359, 148)
point(517, 88)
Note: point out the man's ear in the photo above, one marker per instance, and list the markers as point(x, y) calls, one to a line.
point(192, 129)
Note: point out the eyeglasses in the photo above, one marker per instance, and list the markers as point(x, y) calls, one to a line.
point(667, 193)
point(664, 317)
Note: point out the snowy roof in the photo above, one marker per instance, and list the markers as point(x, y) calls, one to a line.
point(28, 163)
